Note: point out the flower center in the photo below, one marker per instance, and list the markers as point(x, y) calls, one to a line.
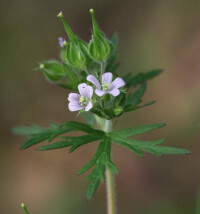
point(106, 86)
point(83, 101)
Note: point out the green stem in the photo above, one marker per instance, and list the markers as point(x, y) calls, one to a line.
point(110, 191)
point(106, 125)
point(103, 65)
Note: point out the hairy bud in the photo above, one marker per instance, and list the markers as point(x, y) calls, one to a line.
point(100, 47)
point(76, 52)
point(53, 70)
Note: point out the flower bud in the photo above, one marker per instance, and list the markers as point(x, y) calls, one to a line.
point(76, 52)
point(100, 47)
point(53, 70)
point(24, 208)
point(118, 111)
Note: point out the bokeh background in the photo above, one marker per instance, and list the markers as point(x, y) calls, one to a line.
point(153, 34)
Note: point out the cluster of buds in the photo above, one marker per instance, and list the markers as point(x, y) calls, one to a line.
point(85, 68)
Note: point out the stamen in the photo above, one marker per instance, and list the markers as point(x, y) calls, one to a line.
point(83, 101)
point(106, 86)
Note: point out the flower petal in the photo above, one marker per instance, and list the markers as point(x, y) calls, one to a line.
point(61, 42)
point(99, 92)
point(75, 106)
point(117, 83)
point(115, 92)
point(85, 90)
point(93, 79)
point(74, 97)
point(107, 77)
point(89, 106)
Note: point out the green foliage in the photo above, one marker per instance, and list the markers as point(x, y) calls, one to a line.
point(100, 161)
point(53, 70)
point(24, 130)
point(74, 142)
point(149, 146)
point(140, 78)
point(100, 48)
point(111, 65)
point(78, 60)
point(36, 134)
point(75, 53)
point(102, 158)
point(136, 130)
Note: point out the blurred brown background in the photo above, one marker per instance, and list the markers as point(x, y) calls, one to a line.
point(153, 34)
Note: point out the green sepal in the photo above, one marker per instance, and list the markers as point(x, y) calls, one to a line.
point(118, 111)
point(76, 55)
point(120, 100)
point(53, 70)
point(72, 77)
point(100, 48)
point(68, 30)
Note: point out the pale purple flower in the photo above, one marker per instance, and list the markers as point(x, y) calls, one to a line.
point(61, 42)
point(83, 100)
point(107, 85)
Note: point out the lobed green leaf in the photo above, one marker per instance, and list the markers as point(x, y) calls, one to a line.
point(136, 98)
point(23, 130)
point(141, 78)
point(136, 130)
point(36, 134)
point(150, 146)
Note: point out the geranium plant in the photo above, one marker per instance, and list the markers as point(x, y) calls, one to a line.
point(99, 95)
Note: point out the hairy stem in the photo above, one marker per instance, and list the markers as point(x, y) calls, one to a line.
point(106, 125)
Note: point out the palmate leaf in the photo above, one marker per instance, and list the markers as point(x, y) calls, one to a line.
point(100, 161)
point(102, 158)
point(36, 134)
point(74, 142)
point(136, 130)
point(136, 98)
point(133, 101)
point(150, 146)
point(129, 107)
point(23, 130)
point(140, 78)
